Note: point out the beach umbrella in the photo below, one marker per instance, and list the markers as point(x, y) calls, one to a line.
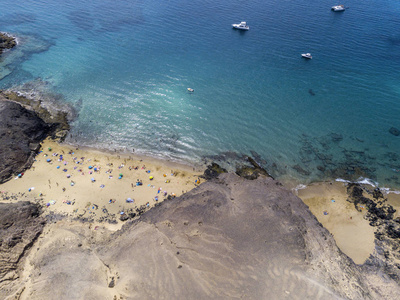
point(90, 167)
point(92, 179)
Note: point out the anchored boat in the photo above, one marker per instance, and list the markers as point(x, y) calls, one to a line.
point(241, 26)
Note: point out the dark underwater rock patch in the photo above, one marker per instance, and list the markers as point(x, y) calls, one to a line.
point(301, 171)
point(394, 131)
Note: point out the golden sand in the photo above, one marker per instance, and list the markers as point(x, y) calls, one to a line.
point(88, 183)
point(352, 233)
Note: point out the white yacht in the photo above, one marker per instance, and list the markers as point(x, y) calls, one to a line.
point(307, 55)
point(241, 26)
point(338, 8)
point(190, 90)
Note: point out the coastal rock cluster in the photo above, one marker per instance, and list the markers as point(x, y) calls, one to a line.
point(6, 42)
point(387, 234)
point(21, 131)
point(320, 158)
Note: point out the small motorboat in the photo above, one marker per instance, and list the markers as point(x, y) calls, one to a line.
point(190, 90)
point(241, 26)
point(306, 55)
point(338, 8)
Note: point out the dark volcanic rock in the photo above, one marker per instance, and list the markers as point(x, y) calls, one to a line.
point(394, 131)
point(20, 225)
point(20, 132)
point(213, 171)
point(6, 42)
point(229, 238)
point(380, 215)
point(251, 172)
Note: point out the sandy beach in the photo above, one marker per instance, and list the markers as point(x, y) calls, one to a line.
point(352, 232)
point(100, 186)
point(106, 188)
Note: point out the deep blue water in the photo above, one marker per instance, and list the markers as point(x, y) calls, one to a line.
point(126, 66)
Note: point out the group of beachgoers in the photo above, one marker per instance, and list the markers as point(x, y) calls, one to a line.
point(77, 166)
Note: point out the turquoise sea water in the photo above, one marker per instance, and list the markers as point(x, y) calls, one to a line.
point(126, 66)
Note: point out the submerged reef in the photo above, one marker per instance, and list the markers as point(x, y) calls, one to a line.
point(394, 131)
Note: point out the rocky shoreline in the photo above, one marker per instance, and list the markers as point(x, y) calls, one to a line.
point(387, 233)
point(237, 235)
point(24, 124)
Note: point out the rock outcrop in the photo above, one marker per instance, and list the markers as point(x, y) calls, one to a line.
point(230, 238)
point(23, 125)
point(387, 229)
point(21, 131)
point(6, 42)
point(20, 225)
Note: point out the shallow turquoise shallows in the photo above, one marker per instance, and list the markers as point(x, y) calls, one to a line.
point(126, 66)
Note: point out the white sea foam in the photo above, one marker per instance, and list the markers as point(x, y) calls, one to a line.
point(387, 191)
point(360, 180)
point(372, 183)
point(299, 187)
point(342, 180)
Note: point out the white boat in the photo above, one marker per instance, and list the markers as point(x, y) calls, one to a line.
point(307, 55)
point(338, 8)
point(241, 26)
point(190, 90)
